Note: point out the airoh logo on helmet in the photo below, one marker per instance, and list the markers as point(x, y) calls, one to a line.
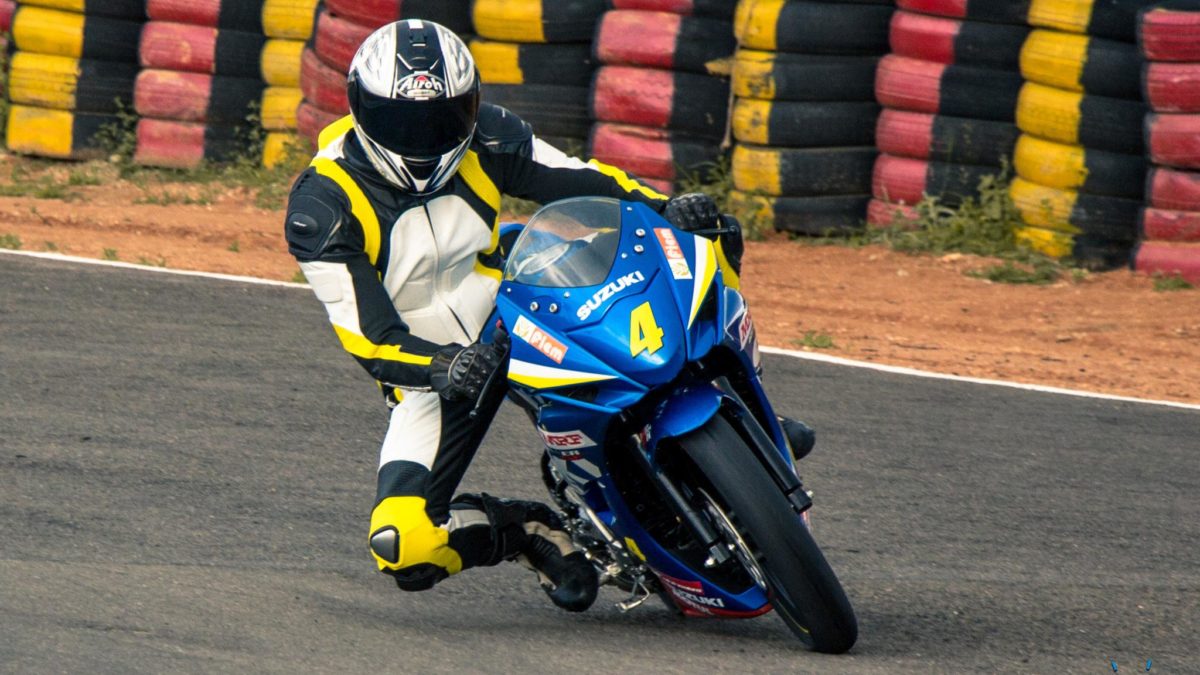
point(420, 87)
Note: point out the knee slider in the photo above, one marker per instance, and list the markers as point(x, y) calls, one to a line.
point(403, 536)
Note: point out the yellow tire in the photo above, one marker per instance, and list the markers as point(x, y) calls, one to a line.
point(288, 19)
point(65, 83)
point(1075, 167)
point(59, 134)
point(1052, 243)
point(1100, 122)
point(281, 62)
point(279, 106)
point(278, 146)
point(1072, 16)
point(1042, 206)
point(537, 20)
point(1082, 63)
point(1049, 112)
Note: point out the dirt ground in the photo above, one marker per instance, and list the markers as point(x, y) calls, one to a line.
point(1109, 332)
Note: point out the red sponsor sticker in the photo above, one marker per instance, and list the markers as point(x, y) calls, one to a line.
point(539, 340)
point(675, 258)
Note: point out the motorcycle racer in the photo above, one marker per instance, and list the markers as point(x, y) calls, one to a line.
point(395, 225)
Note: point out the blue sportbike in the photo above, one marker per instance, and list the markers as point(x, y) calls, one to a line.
point(640, 369)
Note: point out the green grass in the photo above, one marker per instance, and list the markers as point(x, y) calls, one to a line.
point(234, 247)
point(10, 241)
point(814, 340)
point(1165, 283)
point(170, 198)
point(1009, 272)
point(299, 278)
point(143, 260)
point(110, 254)
point(50, 246)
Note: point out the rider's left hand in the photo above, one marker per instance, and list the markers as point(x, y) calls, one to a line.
point(692, 211)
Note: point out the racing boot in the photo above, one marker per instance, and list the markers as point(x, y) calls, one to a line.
point(565, 573)
point(800, 437)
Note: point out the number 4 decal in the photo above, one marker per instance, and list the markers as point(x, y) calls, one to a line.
point(644, 333)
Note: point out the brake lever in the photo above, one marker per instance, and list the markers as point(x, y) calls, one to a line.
point(486, 391)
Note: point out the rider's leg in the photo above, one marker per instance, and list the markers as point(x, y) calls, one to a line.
point(419, 536)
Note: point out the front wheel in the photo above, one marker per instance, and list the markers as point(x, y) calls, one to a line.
point(776, 548)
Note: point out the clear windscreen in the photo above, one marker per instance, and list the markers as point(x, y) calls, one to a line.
point(567, 244)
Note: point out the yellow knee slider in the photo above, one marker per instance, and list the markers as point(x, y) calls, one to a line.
point(402, 535)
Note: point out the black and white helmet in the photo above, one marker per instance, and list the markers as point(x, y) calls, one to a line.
point(414, 95)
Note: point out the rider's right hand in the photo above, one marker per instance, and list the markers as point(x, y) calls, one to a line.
point(459, 373)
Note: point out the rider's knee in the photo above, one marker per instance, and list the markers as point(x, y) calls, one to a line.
point(408, 546)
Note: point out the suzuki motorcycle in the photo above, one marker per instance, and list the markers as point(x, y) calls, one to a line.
point(640, 369)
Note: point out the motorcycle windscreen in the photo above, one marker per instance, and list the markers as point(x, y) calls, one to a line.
point(568, 244)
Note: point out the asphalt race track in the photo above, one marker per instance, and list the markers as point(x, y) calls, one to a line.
point(187, 466)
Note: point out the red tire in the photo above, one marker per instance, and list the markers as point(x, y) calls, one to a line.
point(1171, 189)
point(196, 97)
point(338, 39)
point(719, 9)
point(1172, 87)
point(944, 40)
point(957, 91)
point(649, 153)
point(995, 11)
point(1174, 140)
point(324, 86)
point(167, 45)
point(1168, 32)
point(662, 40)
point(883, 214)
point(235, 14)
point(453, 14)
point(1166, 225)
point(903, 180)
point(1168, 258)
point(184, 145)
point(310, 120)
point(945, 139)
point(687, 102)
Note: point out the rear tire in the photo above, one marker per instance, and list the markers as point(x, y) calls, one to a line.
point(801, 586)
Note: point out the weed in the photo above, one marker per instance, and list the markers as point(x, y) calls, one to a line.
point(1038, 273)
point(10, 241)
point(814, 340)
point(167, 198)
point(50, 246)
point(1170, 282)
point(235, 247)
point(110, 254)
point(143, 260)
point(299, 278)
point(83, 177)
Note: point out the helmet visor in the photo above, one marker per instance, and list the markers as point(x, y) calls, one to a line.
point(415, 128)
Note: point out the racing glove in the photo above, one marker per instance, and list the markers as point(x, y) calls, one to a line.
point(459, 373)
point(692, 211)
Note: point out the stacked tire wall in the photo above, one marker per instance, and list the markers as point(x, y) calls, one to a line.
point(949, 89)
point(804, 114)
point(535, 58)
point(659, 112)
point(340, 27)
point(1080, 160)
point(213, 70)
point(1169, 34)
point(72, 73)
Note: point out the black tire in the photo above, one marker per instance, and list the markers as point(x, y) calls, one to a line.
point(812, 27)
point(553, 110)
point(803, 124)
point(802, 587)
point(779, 76)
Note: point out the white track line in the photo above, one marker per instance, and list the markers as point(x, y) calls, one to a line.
point(809, 356)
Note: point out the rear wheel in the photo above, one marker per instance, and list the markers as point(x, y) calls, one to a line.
point(769, 538)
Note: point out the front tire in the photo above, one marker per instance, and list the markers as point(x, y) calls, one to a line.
point(800, 584)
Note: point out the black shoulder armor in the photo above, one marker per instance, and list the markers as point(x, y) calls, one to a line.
point(500, 130)
point(315, 218)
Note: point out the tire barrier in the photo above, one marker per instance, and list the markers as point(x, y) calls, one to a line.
point(58, 134)
point(882, 214)
point(950, 41)
point(323, 86)
point(1080, 119)
point(653, 153)
point(804, 124)
point(217, 74)
point(1158, 257)
point(537, 20)
point(1172, 87)
point(1095, 253)
point(1174, 140)
point(661, 99)
point(957, 91)
point(803, 172)
point(310, 120)
point(779, 76)
point(1073, 212)
point(1114, 19)
point(1166, 225)
point(1167, 31)
point(718, 9)
point(993, 11)
point(810, 216)
point(553, 110)
point(1075, 167)
point(1082, 63)
point(812, 27)
point(65, 83)
point(453, 14)
point(956, 140)
point(568, 64)
point(71, 75)
point(903, 180)
point(662, 40)
point(337, 39)
point(1173, 189)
